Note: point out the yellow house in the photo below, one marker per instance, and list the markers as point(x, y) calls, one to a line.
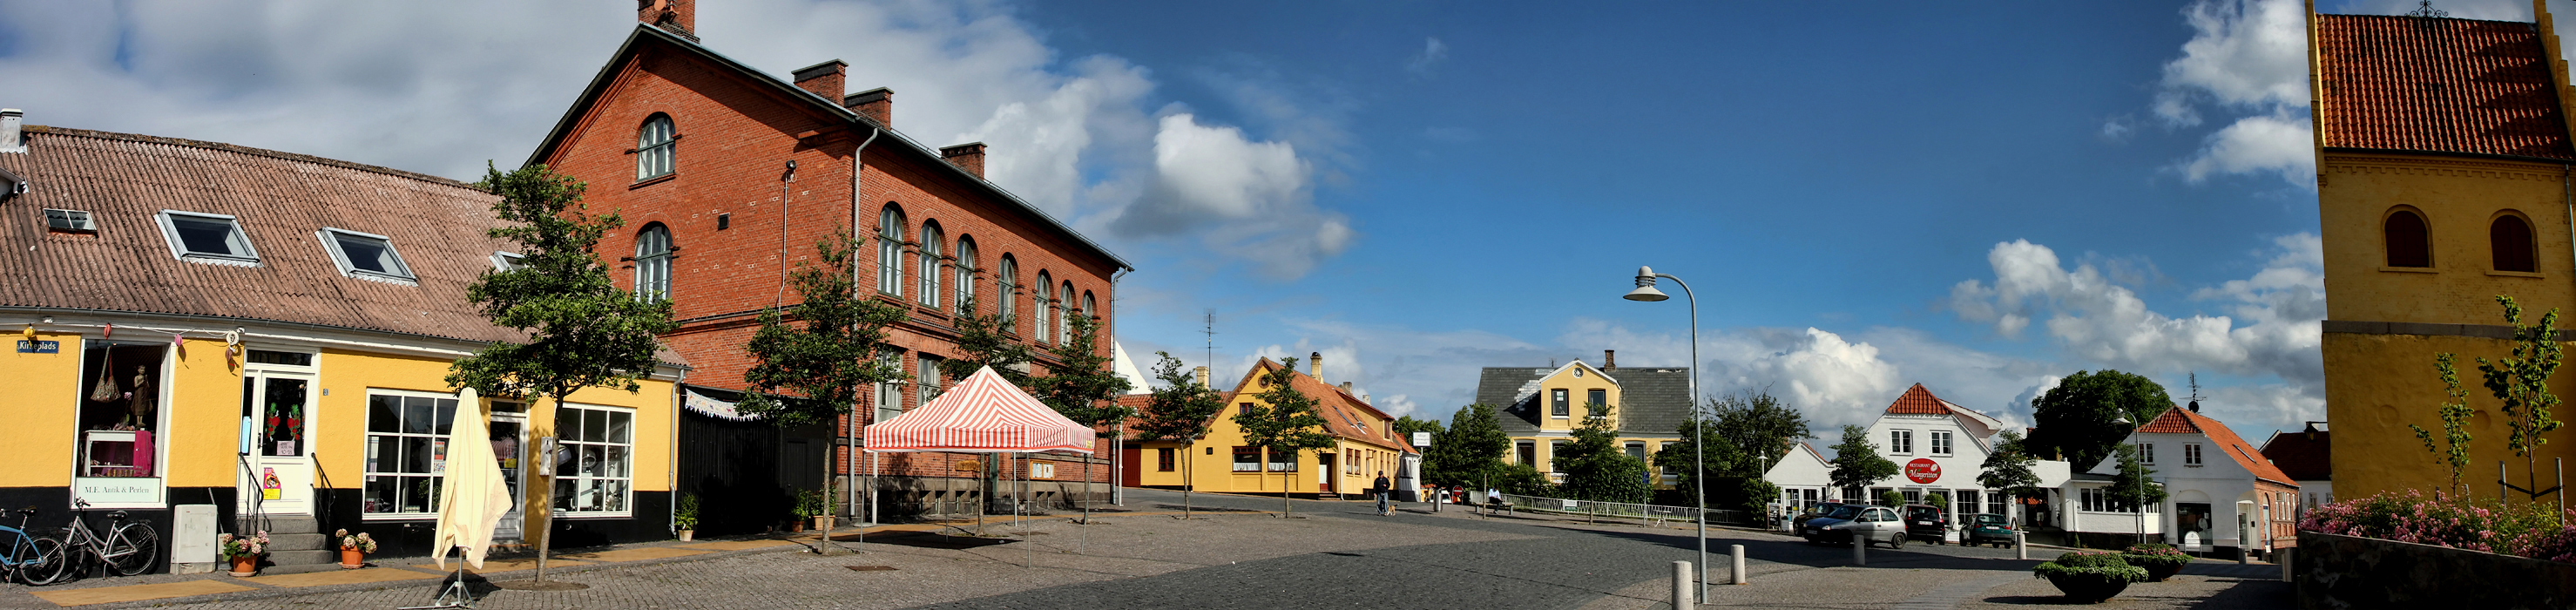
point(2442, 181)
point(1364, 446)
point(1540, 407)
point(262, 338)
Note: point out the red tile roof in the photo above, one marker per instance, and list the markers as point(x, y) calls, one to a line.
point(2306, 456)
point(2179, 420)
point(2439, 85)
point(1919, 401)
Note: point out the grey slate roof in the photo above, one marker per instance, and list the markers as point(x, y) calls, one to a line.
point(1657, 399)
point(1515, 407)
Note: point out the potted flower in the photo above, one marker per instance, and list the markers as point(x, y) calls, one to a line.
point(2090, 577)
point(354, 549)
point(2160, 560)
point(685, 518)
point(243, 551)
point(802, 510)
point(818, 506)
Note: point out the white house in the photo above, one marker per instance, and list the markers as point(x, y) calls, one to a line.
point(2214, 483)
point(1939, 449)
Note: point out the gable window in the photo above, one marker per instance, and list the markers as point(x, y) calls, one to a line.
point(1247, 459)
point(1039, 306)
point(72, 221)
point(1940, 442)
point(2409, 244)
point(2191, 454)
point(653, 145)
point(216, 238)
point(930, 238)
point(1163, 459)
point(653, 263)
point(965, 287)
point(2510, 238)
point(2147, 453)
point(1596, 401)
point(890, 250)
point(1556, 404)
point(1007, 281)
point(595, 468)
point(1900, 441)
point(365, 255)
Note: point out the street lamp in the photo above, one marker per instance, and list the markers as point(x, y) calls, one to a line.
point(1699, 429)
point(2141, 500)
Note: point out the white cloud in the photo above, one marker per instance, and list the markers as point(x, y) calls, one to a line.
point(2249, 57)
point(1433, 54)
point(1249, 199)
point(2257, 144)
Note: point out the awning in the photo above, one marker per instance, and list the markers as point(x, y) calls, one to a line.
point(983, 414)
point(706, 401)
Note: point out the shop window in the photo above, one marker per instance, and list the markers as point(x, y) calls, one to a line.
point(120, 411)
point(1282, 460)
point(594, 469)
point(2409, 244)
point(2510, 238)
point(406, 451)
point(1995, 501)
point(365, 255)
point(1247, 459)
point(207, 238)
point(1164, 460)
point(1964, 501)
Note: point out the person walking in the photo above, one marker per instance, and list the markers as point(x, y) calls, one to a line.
point(1382, 489)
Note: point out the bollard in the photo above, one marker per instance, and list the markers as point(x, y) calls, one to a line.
point(1860, 549)
point(2288, 556)
point(1740, 577)
point(1682, 585)
point(2021, 546)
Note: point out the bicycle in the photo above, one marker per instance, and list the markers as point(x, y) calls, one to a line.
point(30, 559)
point(127, 549)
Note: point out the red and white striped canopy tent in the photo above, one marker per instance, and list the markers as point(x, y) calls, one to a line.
point(983, 414)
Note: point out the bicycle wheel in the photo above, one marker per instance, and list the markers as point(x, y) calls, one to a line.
point(46, 563)
point(130, 550)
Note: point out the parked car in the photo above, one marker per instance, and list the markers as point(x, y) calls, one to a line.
point(1927, 523)
point(1798, 524)
point(1815, 525)
point(1873, 524)
point(1987, 529)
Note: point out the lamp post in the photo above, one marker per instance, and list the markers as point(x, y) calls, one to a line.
point(1699, 428)
point(2141, 478)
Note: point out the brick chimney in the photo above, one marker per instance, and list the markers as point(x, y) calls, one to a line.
point(674, 16)
point(968, 156)
point(1609, 360)
point(875, 104)
point(823, 79)
point(1202, 374)
point(1315, 365)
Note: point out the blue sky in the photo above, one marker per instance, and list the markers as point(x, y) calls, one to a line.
point(1977, 198)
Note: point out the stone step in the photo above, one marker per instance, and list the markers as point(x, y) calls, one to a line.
point(296, 558)
point(297, 542)
point(298, 568)
point(290, 524)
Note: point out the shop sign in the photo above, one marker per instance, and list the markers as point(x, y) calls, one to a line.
point(29, 346)
point(969, 466)
point(1923, 470)
point(1042, 470)
point(117, 491)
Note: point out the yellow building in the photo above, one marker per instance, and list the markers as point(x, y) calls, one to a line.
point(267, 335)
point(1540, 407)
point(2442, 181)
point(1364, 445)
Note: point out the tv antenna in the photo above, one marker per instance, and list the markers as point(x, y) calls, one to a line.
point(1209, 329)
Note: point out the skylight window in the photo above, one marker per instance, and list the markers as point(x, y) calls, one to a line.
point(70, 220)
point(365, 255)
point(508, 261)
point(212, 238)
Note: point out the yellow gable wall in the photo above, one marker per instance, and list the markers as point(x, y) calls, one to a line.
point(1576, 380)
point(42, 410)
point(1214, 470)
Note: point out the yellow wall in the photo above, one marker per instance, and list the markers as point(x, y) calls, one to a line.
point(42, 409)
point(1214, 471)
point(205, 406)
point(1577, 380)
point(2377, 384)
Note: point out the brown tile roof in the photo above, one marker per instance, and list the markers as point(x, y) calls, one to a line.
point(2305, 456)
point(1919, 401)
point(2439, 85)
point(2179, 420)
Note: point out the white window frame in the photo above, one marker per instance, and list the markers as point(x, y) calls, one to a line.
point(179, 248)
point(653, 271)
point(1038, 307)
point(1237, 456)
point(1900, 442)
point(889, 394)
point(965, 267)
point(2147, 454)
point(931, 274)
point(2191, 454)
point(569, 441)
point(1560, 403)
point(926, 384)
point(331, 242)
point(1006, 282)
point(1941, 444)
point(890, 253)
point(73, 220)
point(657, 158)
point(504, 262)
point(390, 449)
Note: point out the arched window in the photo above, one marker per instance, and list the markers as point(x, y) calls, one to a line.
point(930, 271)
point(2510, 237)
point(965, 285)
point(1063, 319)
point(1008, 283)
point(1090, 307)
point(653, 263)
point(1038, 307)
point(2409, 244)
point(890, 250)
point(653, 145)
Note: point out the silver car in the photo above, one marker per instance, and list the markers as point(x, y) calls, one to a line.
point(1875, 525)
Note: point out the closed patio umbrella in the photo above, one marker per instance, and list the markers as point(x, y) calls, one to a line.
point(474, 497)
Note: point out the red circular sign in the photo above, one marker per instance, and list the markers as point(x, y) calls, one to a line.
point(1923, 470)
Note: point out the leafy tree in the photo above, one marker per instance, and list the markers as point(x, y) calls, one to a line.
point(1595, 468)
point(1856, 461)
point(2455, 418)
point(2522, 382)
point(1719, 460)
point(1759, 493)
point(1469, 452)
point(583, 331)
point(1760, 426)
point(1181, 410)
point(2076, 418)
point(1405, 427)
point(831, 350)
point(2008, 467)
point(2135, 485)
point(1940, 501)
point(1083, 387)
point(981, 342)
point(1526, 480)
point(1283, 421)
point(1891, 498)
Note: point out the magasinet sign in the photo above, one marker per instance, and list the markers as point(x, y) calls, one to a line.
point(1923, 470)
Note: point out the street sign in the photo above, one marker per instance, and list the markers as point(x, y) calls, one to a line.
point(39, 347)
point(1421, 439)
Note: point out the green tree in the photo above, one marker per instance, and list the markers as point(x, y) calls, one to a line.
point(1856, 461)
point(1891, 498)
point(2522, 382)
point(2135, 485)
point(2455, 419)
point(583, 331)
point(2008, 467)
point(1469, 452)
point(1759, 493)
point(1283, 424)
point(2076, 418)
point(1181, 410)
point(981, 342)
point(1715, 464)
point(1405, 427)
point(1083, 387)
point(1760, 426)
point(1526, 480)
point(1594, 465)
point(831, 349)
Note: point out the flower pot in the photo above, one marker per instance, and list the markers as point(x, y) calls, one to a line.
point(685, 535)
point(797, 527)
point(2158, 572)
point(246, 565)
point(351, 559)
point(819, 525)
point(2086, 588)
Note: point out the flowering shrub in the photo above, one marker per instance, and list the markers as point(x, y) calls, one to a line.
point(243, 546)
point(2108, 567)
point(2527, 530)
point(2144, 555)
point(361, 543)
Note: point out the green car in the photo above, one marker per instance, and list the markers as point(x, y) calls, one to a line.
point(1985, 529)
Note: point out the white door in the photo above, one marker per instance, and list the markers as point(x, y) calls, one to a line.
point(277, 475)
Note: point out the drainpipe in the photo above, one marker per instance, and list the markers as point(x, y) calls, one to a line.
point(671, 465)
point(850, 461)
point(2569, 198)
point(1118, 443)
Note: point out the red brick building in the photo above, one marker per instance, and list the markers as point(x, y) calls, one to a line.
point(727, 177)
